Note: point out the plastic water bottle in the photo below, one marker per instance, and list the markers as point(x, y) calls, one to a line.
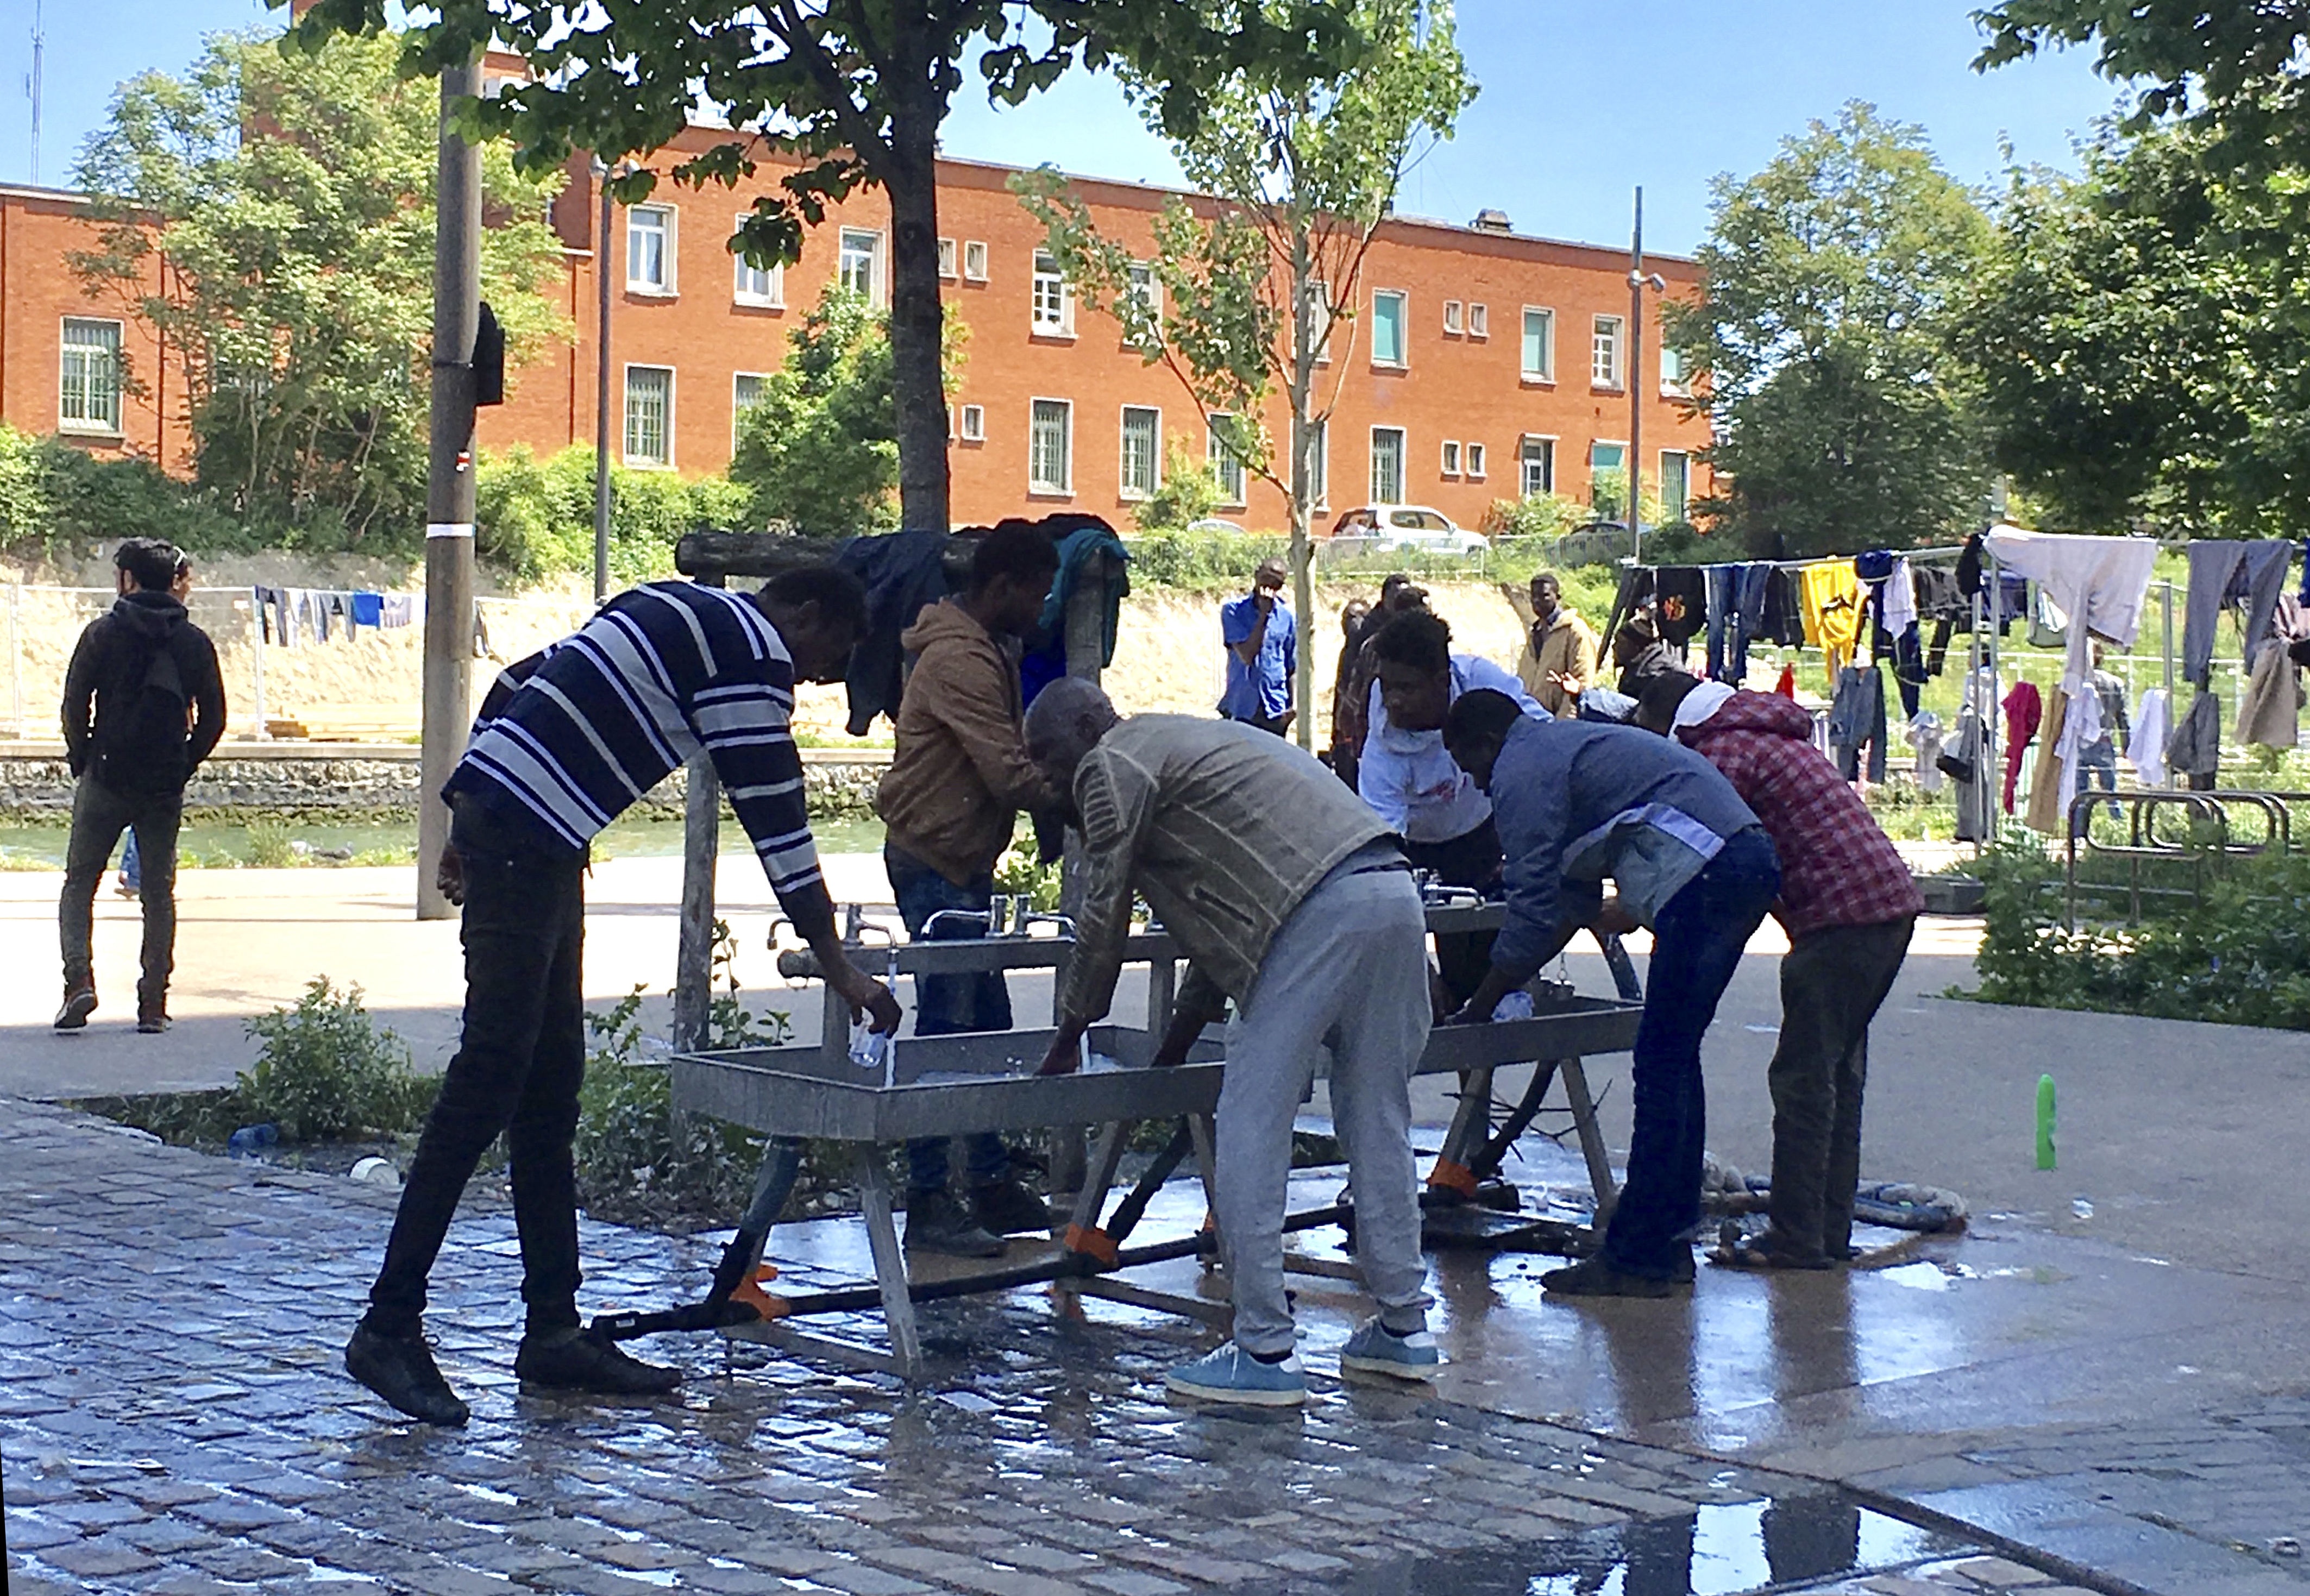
point(1515, 1005)
point(2045, 1121)
point(249, 1140)
point(870, 1049)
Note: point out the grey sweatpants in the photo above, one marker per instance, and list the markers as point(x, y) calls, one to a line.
point(1348, 970)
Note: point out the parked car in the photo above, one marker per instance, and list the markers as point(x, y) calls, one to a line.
point(1213, 524)
point(1409, 528)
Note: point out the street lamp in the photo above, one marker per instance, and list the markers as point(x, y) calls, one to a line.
point(1638, 281)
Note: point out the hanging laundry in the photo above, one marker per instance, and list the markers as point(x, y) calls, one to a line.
point(366, 609)
point(1856, 719)
point(1925, 735)
point(1787, 685)
point(2270, 709)
point(2149, 749)
point(1739, 605)
point(1830, 596)
point(261, 599)
point(400, 610)
point(2023, 711)
point(2225, 574)
point(2194, 750)
point(2051, 779)
point(1681, 600)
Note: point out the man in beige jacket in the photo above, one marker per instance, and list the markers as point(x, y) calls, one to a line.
point(958, 779)
point(1288, 895)
point(1559, 655)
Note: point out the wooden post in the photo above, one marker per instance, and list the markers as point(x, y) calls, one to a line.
point(701, 845)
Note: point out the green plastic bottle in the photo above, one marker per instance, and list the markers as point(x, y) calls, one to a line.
point(2045, 1121)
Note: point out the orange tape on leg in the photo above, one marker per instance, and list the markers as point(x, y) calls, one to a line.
point(1091, 1242)
point(1450, 1177)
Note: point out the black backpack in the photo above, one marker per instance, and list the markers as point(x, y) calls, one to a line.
point(142, 728)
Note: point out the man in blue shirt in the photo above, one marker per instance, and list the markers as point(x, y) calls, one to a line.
point(1575, 802)
point(1263, 650)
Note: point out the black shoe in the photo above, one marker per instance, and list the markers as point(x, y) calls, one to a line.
point(79, 1004)
point(400, 1369)
point(152, 1024)
point(1593, 1277)
point(579, 1360)
point(1007, 1208)
point(937, 1223)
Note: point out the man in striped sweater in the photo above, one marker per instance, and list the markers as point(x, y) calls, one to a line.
point(566, 740)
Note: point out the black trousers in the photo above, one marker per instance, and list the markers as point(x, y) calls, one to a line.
point(1472, 860)
point(100, 815)
point(1833, 981)
point(520, 1060)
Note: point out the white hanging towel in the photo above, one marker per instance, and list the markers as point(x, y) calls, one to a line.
point(2152, 722)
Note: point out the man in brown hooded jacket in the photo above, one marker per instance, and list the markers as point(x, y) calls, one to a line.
point(957, 782)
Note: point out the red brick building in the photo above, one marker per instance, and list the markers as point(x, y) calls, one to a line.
point(1486, 364)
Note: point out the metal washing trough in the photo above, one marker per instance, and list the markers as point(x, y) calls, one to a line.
point(951, 1086)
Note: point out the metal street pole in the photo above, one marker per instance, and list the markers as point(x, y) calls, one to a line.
point(1636, 382)
point(449, 484)
point(601, 388)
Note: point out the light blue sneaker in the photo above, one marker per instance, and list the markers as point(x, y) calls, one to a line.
point(1231, 1375)
point(1372, 1350)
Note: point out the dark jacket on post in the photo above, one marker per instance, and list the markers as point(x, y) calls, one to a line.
point(112, 675)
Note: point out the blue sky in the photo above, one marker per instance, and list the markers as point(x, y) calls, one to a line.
point(1582, 100)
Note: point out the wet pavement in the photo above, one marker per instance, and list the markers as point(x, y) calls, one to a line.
point(172, 1419)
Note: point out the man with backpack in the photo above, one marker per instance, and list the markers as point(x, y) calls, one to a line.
point(143, 706)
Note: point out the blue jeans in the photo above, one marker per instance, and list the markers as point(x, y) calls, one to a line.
point(1698, 941)
point(947, 1005)
point(2096, 760)
point(131, 869)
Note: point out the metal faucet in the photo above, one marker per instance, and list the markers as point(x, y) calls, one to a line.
point(1065, 923)
point(977, 919)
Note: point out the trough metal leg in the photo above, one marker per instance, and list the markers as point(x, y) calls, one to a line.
point(890, 1262)
point(1463, 1143)
point(1592, 1141)
point(1199, 1125)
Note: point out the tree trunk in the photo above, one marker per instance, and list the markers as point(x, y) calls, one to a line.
point(916, 319)
point(1303, 488)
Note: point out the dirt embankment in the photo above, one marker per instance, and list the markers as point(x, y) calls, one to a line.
point(1167, 653)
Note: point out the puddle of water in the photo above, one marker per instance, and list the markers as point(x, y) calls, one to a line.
point(1720, 1550)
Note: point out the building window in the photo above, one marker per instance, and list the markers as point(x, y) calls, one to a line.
point(974, 423)
point(861, 267)
point(973, 261)
point(1475, 462)
point(1451, 458)
point(760, 285)
point(1480, 321)
point(649, 249)
point(1454, 322)
point(88, 390)
point(1226, 466)
point(1604, 353)
point(946, 258)
point(1674, 381)
point(746, 389)
point(1387, 328)
point(1318, 314)
point(1607, 458)
point(1388, 464)
point(1143, 446)
point(650, 415)
point(1050, 466)
point(1054, 302)
point(1676, 485)
point(1149, 291)
point(1539, 344)
point(1536, 457)
point(1322, 496)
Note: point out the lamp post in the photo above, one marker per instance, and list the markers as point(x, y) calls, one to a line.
point(1638, 281)
point(602, 384)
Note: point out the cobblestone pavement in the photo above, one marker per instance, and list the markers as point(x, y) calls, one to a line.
point(173, 1420)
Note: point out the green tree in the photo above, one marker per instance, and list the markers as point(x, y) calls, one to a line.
point(1189, 492)
point(1252, 292)
point(292, 204)
point(855, 90)
point(1831, 279)
point(2141, 342)
point(819, 450)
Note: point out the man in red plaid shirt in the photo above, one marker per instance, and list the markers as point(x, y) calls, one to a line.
point(1849, 905)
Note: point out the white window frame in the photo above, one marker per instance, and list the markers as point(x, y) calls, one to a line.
point(1546, 371)
point(1613, 356)
point(626, 417)
point(1228, 469)
point(1055, 318)
point(974, 260)
point(1402, 297)
point(1480, 319)
point(668, 258)
point(877, 269)
point(1322, 500)
point(1451, 457)
point(1124, 485)
point(1036, 489)
point(1319, 297)
point(1454, 318)
point(737, 409)
point(1471, 462)
point(1605, 443)
point(1673, 388)
point(973, 423)
point(771, 296)
point(1402, 447)
point(1524, 463)
point(947, 267)
point(1147, 287)
point(87, 424)
point(1679, 511)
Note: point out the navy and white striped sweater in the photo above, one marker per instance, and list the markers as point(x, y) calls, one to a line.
point(591, 723)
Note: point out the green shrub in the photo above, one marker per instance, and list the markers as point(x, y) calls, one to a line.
point(55, 494)
point(268, 845)
point(535, 517)
point(1199, 561)
point(324, 1070)
point(1189, 492)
